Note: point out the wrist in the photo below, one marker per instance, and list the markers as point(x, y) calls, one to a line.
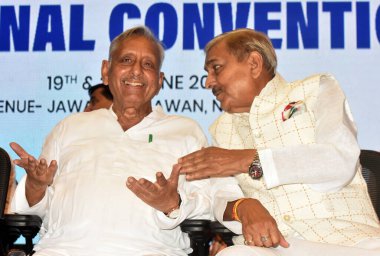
point(173, 208)
point(247, 159)
point(34, 193)
point(235, 214)
point(32, 186)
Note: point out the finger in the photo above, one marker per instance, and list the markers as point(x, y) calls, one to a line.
point(19, 150)
point(30, 165)
point(196, 160)
point(26, 163)
point(189, 157)
point(147, 186)
point(174, 175)
point(161, 180)
point(41, 167)
point(266, 240)
point(135, 187)
point(257, 239)
point(275, 237)
point(283, 242)
point(196, 166)
point(248, 238)
point(131, 183)
point(53, 167)
point(201, 172)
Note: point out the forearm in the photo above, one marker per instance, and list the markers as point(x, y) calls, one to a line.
point(21, 205)
point(324, 164)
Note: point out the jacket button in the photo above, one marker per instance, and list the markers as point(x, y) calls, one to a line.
point(286, 218)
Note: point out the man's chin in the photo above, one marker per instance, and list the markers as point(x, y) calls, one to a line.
point(224, 107)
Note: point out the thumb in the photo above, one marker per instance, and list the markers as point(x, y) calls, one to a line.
point(283, 242)
point(174, 176)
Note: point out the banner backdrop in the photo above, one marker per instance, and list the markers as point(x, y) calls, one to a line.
point(51, 52)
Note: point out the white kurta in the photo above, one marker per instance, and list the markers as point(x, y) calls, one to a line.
point(88, 210)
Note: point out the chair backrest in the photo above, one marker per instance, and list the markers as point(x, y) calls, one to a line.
point(5, 170)
point(370, 161)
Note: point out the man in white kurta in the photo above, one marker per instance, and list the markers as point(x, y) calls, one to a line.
point(88, 210)
point(85, 183)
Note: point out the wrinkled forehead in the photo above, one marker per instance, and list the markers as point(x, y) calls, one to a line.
point(137, 43)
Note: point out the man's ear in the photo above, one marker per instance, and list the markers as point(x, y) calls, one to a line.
point(255, 60)
point(105, 68)
point(160, 81)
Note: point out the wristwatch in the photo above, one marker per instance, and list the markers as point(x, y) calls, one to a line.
point(255, 170)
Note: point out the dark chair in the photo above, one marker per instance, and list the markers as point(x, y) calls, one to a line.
point(200, 236)
point(370, 161)
point(12, 226)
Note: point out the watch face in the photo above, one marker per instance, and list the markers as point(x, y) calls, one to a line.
point(255, 171)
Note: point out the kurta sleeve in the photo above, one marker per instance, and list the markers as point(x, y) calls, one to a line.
point(49, 152)
point(330, 163)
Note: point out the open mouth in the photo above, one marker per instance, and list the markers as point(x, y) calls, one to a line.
point(133, 84)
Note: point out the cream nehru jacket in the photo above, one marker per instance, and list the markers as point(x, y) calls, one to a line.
point(342, 217)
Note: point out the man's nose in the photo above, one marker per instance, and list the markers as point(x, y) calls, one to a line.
point(210, 82)
point(136, 68)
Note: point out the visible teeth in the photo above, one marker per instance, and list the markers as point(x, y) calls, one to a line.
point(133, 84)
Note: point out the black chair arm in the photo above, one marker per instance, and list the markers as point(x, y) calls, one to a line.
point(199, 234)
point(15, 225)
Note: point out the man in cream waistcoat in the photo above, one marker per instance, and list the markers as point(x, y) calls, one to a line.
point(293, 150)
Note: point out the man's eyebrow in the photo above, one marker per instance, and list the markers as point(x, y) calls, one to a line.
point(208, 63)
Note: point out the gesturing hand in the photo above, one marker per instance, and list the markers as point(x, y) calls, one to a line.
point(259, 227)
point(161, 195)
point(215, 162)
point(39, 174)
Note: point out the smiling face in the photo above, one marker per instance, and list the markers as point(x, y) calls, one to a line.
point(234, 83)
point(133, 73)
